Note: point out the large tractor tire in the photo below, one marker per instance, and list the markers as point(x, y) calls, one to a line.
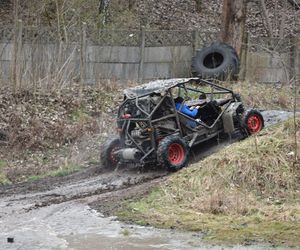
point(252, 122)
point(173, 153)
point(217, 61)
point(108, 159)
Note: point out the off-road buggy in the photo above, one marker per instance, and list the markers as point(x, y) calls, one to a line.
point(161, 121)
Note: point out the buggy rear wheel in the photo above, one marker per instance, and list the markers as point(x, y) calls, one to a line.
point(108, 157)
point(253, 122)
point(173, 153)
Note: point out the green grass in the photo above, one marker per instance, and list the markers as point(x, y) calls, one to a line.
point(79, 114)
point(4, 180)
point(242, 194)
point(2, 164)
point(125, 232)
point(217, 229)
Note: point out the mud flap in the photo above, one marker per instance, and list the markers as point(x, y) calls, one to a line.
point(228, 123)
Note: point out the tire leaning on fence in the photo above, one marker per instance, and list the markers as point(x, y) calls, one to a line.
point(217, 61)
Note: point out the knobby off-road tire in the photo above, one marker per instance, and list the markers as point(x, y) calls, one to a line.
point(107, 158)
point(217, 61)
point(173, 153)
point(252, 122)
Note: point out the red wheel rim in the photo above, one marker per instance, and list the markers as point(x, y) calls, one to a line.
point(254, 124)
point(176, 153)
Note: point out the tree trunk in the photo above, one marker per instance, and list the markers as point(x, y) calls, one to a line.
point(198, 5)
point(131, 4)
point(233, 23)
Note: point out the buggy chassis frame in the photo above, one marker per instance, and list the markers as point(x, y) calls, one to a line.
point(194, 137)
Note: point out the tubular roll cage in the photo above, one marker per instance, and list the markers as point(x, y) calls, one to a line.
point(126, 122)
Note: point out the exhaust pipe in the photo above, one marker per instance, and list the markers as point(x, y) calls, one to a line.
point(129, 153)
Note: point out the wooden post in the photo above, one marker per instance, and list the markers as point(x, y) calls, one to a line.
point(142, 55)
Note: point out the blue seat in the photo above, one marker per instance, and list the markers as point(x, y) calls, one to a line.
point(186, 110)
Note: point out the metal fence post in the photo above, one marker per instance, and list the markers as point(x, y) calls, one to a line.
point(82, 58)
point(16, 67)
point(243, 57)
point(142, 55)
point(297, 60)
point(83, 53)
point(294, 58)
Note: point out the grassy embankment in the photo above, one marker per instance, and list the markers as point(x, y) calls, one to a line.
point(248, 192)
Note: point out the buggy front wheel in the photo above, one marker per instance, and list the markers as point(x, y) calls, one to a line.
point(173, 153)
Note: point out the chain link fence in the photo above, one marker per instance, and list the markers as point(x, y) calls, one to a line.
point(85, 53)
point(103, 37)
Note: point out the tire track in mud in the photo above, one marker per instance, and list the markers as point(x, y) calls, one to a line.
point(90, 182)
point(27, 196)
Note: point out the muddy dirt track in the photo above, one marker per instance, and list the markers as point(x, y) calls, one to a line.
point(61, 212)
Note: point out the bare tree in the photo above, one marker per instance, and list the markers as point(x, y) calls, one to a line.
point(233, 23)
point(266, 18)
point(103, 9)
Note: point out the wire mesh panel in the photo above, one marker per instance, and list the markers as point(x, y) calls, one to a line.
point(155, 38)
point(266, 44)
point(39, 35)
point(202, 39)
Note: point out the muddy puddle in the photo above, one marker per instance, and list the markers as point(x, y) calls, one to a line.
point(74, 225)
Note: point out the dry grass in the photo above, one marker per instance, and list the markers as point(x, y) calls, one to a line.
point(57, 131)
point(265, 96)
point(229, 181)
point(247, 191)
